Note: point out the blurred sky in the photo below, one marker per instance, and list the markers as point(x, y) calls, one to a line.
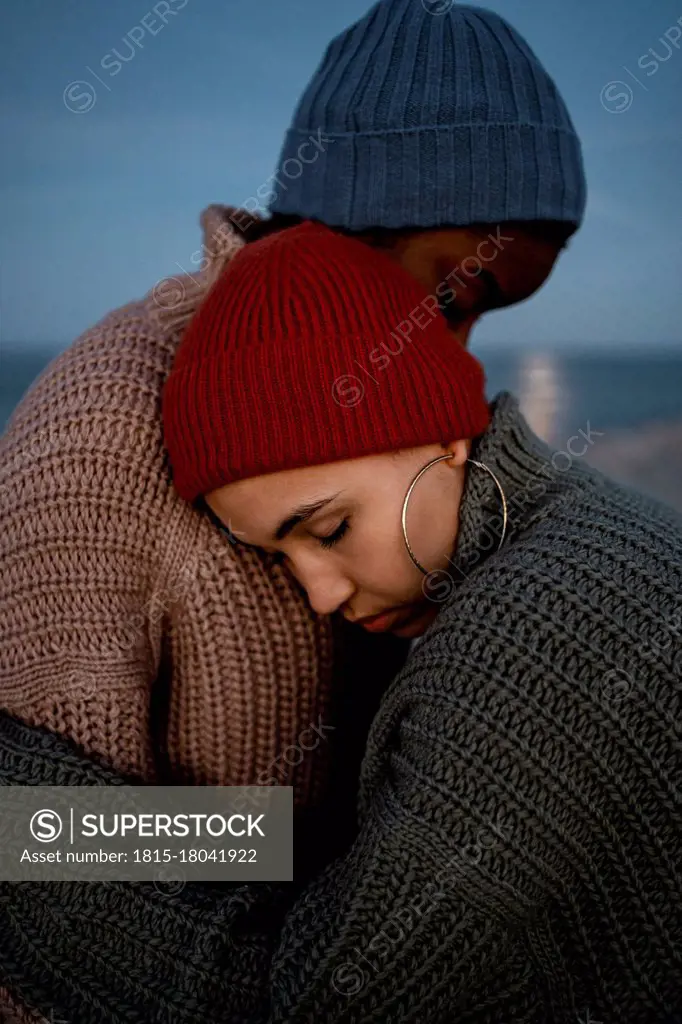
point(95, 207)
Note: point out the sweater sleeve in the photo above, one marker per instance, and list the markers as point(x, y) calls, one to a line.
point(418, 920)
point(128, 622)
point(127, 952)
point(411, 924)
point(428, 917)
point(81, 532)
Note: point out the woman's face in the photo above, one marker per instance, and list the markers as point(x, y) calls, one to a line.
point(338, 526)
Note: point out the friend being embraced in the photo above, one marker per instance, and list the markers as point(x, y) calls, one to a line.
point(520, 803)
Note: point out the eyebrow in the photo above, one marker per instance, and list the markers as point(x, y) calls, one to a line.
point(300, 514)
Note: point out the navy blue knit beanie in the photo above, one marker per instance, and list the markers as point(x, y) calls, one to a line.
point(427, 113)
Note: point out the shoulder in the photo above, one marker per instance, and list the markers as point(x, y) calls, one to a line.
point(589, 537)
point(82, 456)
point(116, 367)
point(587, 599)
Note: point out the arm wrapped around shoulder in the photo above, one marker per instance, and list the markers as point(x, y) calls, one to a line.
point(124, 952)
point(81, 544)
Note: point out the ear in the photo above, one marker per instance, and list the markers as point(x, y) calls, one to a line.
point(460, 451)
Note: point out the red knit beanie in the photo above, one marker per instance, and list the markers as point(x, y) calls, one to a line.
point(310, 348)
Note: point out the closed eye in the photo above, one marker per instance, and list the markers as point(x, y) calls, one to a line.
point(334, 538)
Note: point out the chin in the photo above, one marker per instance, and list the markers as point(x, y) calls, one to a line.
point(409, 632)
point(417, 625)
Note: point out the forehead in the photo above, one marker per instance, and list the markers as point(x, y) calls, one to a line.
point(263, 494)
point(257, 504)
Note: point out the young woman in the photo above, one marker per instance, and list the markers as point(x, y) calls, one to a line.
point(524, 769)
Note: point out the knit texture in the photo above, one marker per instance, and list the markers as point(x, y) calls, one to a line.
point(128, 622)
point(308, 318)
point(13, 1011)
point(129, 951)
point(427, 113)
point(520, 848)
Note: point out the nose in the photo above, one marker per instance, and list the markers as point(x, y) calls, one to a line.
point(327, 588)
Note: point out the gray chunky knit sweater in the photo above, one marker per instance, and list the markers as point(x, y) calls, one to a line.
point(519, 857)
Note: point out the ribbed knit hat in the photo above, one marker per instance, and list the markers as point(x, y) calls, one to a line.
point(428, 113)
point(313, 347)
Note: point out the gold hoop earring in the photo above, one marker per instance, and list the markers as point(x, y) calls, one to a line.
point(439, 458)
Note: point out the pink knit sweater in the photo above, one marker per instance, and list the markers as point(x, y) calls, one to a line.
point(128, 622)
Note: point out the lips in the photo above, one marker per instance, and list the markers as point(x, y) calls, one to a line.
point(386, 620)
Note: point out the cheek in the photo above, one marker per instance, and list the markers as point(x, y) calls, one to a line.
point(381, 566)
point(384, 570)
point(432, 521)
point(377, 558)
point(423, 270)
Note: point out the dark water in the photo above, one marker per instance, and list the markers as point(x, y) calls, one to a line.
point(613, 391)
